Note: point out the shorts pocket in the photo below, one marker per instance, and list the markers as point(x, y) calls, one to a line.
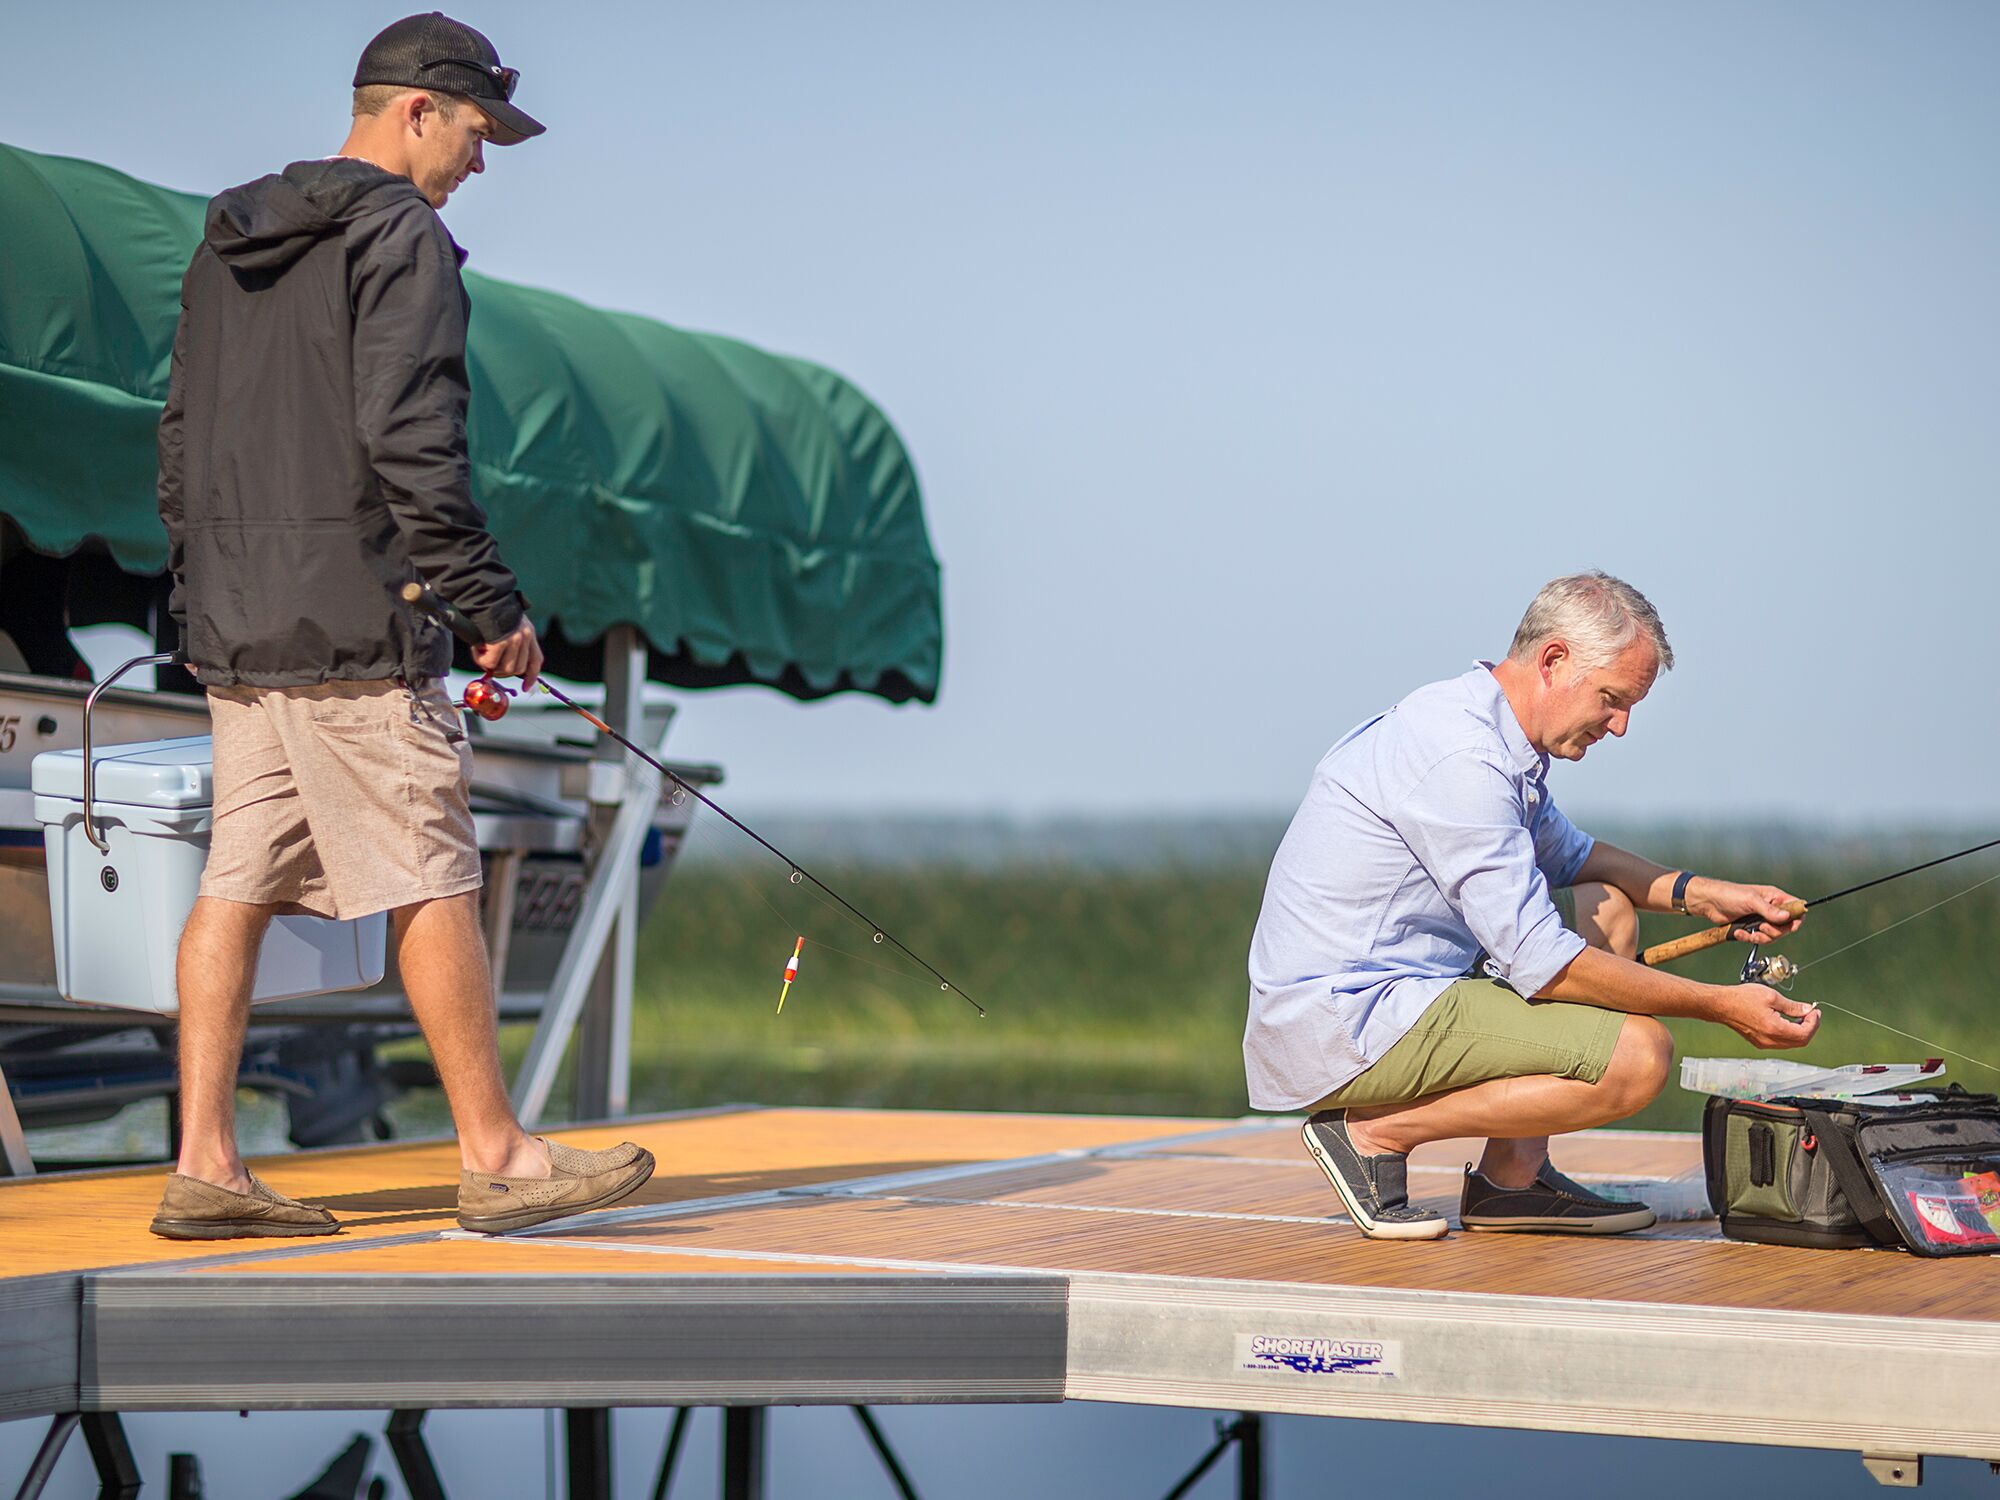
point(350, 723)
point(353, 712)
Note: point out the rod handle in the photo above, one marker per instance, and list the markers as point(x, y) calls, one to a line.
point(1694, 942)
point(422, 596)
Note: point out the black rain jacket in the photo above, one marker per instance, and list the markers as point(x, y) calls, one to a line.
point(313, 451)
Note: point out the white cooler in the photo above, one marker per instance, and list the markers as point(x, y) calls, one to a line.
point(118, 916)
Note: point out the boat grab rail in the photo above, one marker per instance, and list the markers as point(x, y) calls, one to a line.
point(97, 841)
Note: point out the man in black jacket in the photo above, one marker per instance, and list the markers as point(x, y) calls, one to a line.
point(313, 459)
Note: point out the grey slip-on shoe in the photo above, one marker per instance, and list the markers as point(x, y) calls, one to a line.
point(1374, 1188)
point(1551, 1204)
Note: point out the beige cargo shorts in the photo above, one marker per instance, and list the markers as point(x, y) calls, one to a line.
point(341, 799)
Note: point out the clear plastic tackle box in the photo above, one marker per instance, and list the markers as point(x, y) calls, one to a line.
point(118, 913)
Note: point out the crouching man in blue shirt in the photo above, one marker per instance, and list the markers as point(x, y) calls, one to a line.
point(1411, 979)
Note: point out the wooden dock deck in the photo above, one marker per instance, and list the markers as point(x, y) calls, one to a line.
point(803, 1255)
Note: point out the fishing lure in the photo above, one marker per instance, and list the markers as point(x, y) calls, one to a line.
point(791, 972)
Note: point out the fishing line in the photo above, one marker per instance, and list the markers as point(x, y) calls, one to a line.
point(820, 944)
point(726, 857)
point(1869, 938)
point(1898, 923)
point(1911, 1035)
point(860, 958)
point(422, 596)
point(798, 871)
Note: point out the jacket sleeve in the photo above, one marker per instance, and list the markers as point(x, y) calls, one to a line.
point(172, 471)
point(1467, 824)
point(410, 400)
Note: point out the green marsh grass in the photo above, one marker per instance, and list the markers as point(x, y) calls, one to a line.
point(1120, 991)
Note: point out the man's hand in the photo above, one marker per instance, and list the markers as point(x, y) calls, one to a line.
point(517, 655)
point(1761, 1015)
point(1723, 901)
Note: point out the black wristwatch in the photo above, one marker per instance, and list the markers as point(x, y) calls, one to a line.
point(1681, 890)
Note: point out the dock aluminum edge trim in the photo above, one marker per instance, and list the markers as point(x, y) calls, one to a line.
point(1637, 1369)
point(194, 1343)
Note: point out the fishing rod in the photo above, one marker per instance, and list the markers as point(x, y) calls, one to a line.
point(1774, 968)
point(1778, 970)
point(489, 701)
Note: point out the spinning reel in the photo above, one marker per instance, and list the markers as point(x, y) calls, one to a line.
point(1773, 969)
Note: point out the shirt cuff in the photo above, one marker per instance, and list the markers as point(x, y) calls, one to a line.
point(1566, 877)
point(1541, 956)
point(499, 621)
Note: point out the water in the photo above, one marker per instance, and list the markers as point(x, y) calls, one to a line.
point(980, 1453)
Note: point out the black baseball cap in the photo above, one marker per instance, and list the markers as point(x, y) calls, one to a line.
point(432, 51)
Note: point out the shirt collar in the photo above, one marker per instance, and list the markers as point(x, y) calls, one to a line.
point(1486, 688)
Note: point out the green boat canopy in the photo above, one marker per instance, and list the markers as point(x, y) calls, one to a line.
point(755, 516)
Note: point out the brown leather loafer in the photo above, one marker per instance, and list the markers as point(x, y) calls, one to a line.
point(195, 1210)
point(578, 1182)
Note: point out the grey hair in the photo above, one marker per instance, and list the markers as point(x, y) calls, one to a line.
point(1595, 615)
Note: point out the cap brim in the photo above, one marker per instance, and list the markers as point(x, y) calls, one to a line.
point(511, 126)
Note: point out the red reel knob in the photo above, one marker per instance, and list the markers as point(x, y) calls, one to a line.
point(486, 698)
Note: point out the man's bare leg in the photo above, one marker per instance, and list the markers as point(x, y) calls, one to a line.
point(442, 956)
point(1605, 918)
point(1527, 1111)
point(213, 970)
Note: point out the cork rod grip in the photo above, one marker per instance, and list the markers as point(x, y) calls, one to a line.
point(1694, 942)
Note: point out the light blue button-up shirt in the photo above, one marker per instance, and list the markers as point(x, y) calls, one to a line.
point(1427, 837)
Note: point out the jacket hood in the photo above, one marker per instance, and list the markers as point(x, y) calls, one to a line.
point(268, 224)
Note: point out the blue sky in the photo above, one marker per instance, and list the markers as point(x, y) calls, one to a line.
point(1260, 362)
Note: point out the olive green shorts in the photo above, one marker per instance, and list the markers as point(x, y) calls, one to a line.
point(1479, 1030)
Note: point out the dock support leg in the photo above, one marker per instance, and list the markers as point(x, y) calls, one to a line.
point(742, 1453)
point(588, 1430)
point(1249, 1456)
point(117, 1473)
point(413, 1455)
point(1247, 1432)
point(672, 1454)
point(53, 1443)
point(883, 1451)
point(183, 1477)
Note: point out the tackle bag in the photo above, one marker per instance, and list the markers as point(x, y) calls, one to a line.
point(1844, 1173)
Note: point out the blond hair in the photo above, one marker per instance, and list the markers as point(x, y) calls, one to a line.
point(373, 98)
